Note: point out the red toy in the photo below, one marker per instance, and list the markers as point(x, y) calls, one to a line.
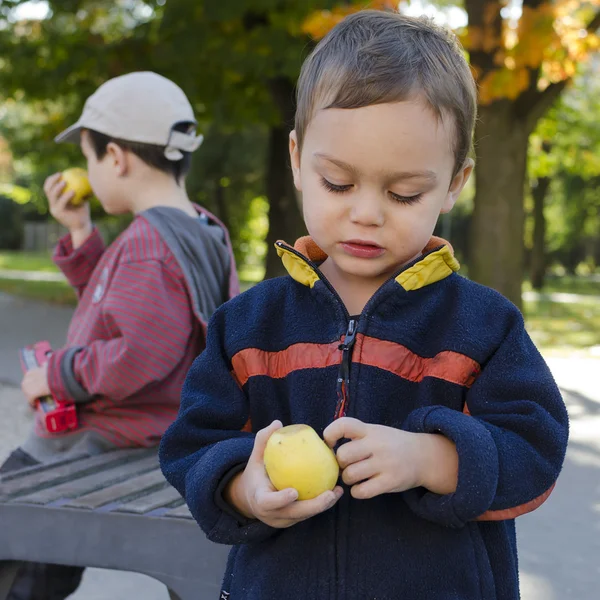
point(57, 415)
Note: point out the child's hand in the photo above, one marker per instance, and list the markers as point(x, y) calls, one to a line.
point(380, 460)
point(75, 218)
point(252, 493)
point(35, 384)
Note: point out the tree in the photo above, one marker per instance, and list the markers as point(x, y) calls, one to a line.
point(564, 164)
point(522, 69)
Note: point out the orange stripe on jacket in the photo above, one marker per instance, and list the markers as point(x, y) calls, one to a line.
point(516, 511)
point(252, 361)
point(389, 356)
point(398, 359)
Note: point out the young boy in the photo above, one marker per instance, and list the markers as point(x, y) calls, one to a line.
point(144, 302)
point(446, 420)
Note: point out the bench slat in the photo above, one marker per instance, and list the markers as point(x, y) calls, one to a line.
point(90, 483)
point(182, 512)
point(151, 501)
point(53, 473)
point(119, 491)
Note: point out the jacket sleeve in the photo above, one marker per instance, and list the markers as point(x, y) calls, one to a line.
point(146, 307)
point(511, 438)
point(78, 265)
point(209, 443)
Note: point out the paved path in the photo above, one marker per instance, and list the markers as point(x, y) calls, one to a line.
point(23, 322)
point(559, 543)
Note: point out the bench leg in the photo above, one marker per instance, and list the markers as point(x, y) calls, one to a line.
point(8, 574)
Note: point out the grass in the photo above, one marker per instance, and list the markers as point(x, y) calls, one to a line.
point(561, 328)
point(570, 284)
point(27, 261)
point(56, 292)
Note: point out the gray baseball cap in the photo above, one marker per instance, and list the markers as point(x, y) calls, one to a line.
point(139, 107)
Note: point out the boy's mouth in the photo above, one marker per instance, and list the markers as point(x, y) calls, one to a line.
point(362, 248)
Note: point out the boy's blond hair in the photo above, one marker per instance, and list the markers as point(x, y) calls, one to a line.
point(375, 57)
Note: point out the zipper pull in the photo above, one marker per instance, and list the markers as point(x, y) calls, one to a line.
point(350, 336)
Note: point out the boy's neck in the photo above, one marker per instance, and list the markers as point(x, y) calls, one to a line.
point(354, 291)
point(159, 191)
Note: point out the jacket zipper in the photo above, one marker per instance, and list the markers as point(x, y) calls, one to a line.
point(343, 381)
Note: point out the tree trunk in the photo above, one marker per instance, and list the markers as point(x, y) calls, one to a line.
point(497, 252)
point(285, 220)
point(221, 205)
point(538, 254)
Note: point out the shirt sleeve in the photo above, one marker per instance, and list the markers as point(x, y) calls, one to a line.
point(147, 308)
point(210, 442)
point(78, 265)
point(511, 438)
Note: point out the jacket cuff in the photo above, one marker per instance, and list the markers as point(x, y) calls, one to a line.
point(55, 381)
point(205, 483)
point(61, 377)
point(478, 468)
point(77, 265)
point(222, 503)
point(72, 386)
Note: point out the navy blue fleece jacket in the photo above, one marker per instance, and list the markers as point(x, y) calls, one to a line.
point(432, 352)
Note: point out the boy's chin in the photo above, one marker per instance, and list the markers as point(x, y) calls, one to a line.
point(366, 269)
point(113, 210)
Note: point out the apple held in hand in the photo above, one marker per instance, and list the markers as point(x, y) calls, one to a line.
point(77, 182)
point(296, 457)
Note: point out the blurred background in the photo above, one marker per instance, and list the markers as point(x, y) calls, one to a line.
point(527, 225)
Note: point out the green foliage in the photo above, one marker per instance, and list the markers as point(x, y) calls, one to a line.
point(566, 148)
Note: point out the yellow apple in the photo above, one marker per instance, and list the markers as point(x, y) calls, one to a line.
point(77, 181)
point(296, 457)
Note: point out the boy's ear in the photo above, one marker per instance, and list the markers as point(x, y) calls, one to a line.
point(118, 158)
point(295, 159)
point(457, 185)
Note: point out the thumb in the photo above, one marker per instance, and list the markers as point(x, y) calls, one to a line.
point(260, 442)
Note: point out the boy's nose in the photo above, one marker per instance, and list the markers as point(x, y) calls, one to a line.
point(367, 211)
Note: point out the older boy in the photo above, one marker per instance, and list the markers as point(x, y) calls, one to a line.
point(143, 302)
point(452, 422)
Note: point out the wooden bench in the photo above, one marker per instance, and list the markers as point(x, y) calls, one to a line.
point(112, 511)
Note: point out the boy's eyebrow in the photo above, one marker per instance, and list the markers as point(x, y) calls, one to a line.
point(396, 176)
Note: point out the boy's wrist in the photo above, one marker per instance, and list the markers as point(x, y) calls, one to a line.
point(235, 496)
point(439, 464)
point(79, 235)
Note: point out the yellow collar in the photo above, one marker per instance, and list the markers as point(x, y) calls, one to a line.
point(437, 263)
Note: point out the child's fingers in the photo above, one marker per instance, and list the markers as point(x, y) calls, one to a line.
point(268, 501)
point(359, 471)
point(304, 509)
point(353, 452)
point(346, 427)
point(260, 442)
point(56, 190)
point(63, 200)
point(369, 489)
point(51, 182)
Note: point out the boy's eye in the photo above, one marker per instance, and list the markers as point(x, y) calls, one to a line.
point(340, 189)
point(406, 199)
point(332, 187)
